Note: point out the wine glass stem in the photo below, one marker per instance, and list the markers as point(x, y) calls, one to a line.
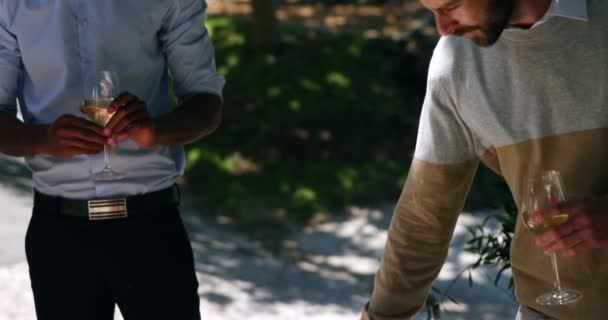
point(106, 158)
point(558, 283)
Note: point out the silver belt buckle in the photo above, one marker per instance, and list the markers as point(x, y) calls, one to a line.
point(107, 209)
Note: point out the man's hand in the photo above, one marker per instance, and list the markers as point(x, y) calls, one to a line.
point(131, 120)
point(70, 136)
point(586, 228)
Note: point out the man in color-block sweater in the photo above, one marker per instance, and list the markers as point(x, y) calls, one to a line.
point(522, 86)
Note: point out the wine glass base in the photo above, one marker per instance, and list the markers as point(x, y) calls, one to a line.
point(108, 175)
point(558, 298)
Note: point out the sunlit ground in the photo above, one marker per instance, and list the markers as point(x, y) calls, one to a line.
point(327, 274)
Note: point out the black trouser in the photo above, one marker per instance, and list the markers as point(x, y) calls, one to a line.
point(79, 269)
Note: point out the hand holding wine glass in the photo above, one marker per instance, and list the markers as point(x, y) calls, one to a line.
point(131, 119)
point(71, 136)
point(585, 229)
point(542, 192)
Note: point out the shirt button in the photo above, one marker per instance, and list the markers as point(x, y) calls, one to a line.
point(84, 23)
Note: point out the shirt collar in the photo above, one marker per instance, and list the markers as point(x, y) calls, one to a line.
point(573, 9)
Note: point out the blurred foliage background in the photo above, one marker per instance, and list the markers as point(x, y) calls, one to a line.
point(322, 101)
point(315, 119)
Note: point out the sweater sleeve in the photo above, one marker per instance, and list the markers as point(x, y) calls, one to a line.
point(423, 222)
point(418, 238)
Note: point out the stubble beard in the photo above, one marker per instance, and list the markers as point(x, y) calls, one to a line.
point(497, 21)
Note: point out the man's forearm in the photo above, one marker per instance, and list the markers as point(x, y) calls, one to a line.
point(197, 117)
point(19, 139)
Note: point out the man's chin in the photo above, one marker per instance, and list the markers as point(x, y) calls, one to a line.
point(484, 39)
point(479, 36)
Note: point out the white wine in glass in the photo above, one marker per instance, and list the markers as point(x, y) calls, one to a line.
point(96, 110)
point(539, 192)
point(103, 90)
point(545, 225)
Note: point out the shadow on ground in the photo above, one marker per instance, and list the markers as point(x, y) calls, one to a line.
point(324, 271)
point(328, 266)
point(15, 175)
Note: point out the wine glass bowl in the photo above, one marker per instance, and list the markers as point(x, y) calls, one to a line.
point(103, 89)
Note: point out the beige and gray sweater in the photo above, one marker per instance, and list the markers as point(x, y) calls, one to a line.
point(537, 99)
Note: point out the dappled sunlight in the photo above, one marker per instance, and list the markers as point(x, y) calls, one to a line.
point(310, 85)
point(234, 164)
point(300, 133)
point(238, 276)
point(484, 299)
point(338, 79)
point(389, 20)
point(324, 272)
point(354, 264)
point(233, 7)
point(295, 105)
point(365, 231)
point(355, 245)
point(16, 300)
point(273, 91)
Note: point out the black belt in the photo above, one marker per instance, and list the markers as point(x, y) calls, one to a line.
point(104, 209)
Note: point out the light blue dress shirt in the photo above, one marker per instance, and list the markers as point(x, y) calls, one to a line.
point(49, 48)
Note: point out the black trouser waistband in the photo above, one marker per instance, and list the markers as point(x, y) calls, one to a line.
point(100, 209)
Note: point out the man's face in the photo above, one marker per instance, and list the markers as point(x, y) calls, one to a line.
point(481, 21)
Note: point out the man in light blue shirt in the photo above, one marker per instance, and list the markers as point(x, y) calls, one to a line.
point(91, 244)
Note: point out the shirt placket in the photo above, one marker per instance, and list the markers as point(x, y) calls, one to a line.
point(86, 36)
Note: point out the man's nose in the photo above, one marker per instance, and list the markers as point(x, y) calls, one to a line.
point(445, 24)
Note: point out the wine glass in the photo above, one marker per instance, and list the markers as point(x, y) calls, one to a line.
point(103, 89)
point(540, 191)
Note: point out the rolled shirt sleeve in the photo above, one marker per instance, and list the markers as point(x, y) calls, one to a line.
point(10, 68)
point(190, 54)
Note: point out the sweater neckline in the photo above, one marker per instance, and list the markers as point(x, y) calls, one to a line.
point(551, 31)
